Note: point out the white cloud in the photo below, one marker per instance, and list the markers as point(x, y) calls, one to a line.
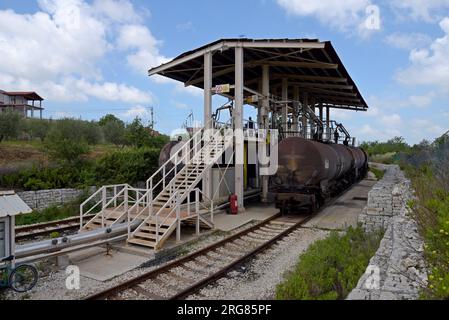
point(392, 120)
point(144, 45)
point(429, 66)
point(424, 10)
point(426, 128)
point(57, 50)
point(408, 41)
point(136, 111)
point(114, 92)
point(342, 15)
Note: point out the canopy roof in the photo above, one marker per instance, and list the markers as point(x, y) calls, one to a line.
point(311, 65)
point(12, 205)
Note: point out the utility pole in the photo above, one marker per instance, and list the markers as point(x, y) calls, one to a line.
point(152, 123)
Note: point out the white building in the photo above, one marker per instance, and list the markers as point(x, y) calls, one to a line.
point(25, 103)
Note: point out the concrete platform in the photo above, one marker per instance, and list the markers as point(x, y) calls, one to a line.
point(226, 222)
point(96, 264)
point(345, 210)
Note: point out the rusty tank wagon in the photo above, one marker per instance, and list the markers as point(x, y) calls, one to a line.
point(309, 172)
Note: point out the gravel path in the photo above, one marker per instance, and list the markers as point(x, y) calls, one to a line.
point(52, 282)
point(258, 279)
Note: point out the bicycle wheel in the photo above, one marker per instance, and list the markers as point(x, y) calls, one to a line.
point(23, 278)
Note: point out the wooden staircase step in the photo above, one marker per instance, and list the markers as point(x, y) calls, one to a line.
point(146, 235)
point(141, 242)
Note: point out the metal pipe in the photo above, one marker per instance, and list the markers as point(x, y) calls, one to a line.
point(55, 245)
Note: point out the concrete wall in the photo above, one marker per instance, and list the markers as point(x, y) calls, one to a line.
point(398, 269)
point(38, 200)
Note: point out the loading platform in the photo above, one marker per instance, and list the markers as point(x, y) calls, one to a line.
point(292, 83)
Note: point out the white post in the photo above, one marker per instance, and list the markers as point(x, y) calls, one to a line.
point(207, 181)
point(197, 210)
point(103, 205)
point(178, 219)
point(328, 123)
point(285, 105)
point(238, 124)
point(295, 112)
point(81, 216)
point(304, 115)
point(127, 210)
point(265, 110)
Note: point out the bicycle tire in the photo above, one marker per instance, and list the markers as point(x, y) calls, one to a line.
point(18, 277)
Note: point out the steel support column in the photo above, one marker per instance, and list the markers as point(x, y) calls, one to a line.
point(207, 180)
point(295, 112)
point(285, 105)
point(304, 115)
point(265, 119)
point(328, 123)
point(238, 125)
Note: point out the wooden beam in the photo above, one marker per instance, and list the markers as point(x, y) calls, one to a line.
point(215, 74)
point(330, 92)
point(294, 64)
point(311, 78)
point(323, 85)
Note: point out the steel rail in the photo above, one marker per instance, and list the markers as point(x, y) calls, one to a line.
point(113, 291)
point(41, 229)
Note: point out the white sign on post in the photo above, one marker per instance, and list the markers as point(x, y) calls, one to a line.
point(222, 88)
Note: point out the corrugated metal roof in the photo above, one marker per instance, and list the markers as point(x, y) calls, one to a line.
point(12, 205)
point(317, 70)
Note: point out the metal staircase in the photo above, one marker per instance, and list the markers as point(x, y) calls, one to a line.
point(170, 198)
point(173, 204)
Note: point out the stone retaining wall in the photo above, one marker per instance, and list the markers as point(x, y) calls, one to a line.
point(39, 200)
point(398, 270)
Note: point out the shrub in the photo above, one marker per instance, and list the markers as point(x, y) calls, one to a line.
point(65, 141)
point(10, 124)
point(330, 268)
point(378, 173)
point(114, 132)
point(37, 128)
point(125, 166)
point(136, 135)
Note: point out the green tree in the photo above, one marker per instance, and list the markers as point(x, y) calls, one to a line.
point(109, 118)
point(37, 128)
point(113, 129)
point(114, 132)
point(136, 135)
point(10, 122)
point(64, 141)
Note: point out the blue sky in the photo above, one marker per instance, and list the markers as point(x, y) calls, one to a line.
point(90, 57)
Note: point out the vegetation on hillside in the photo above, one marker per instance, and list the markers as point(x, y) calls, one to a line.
point(330, 268)
point(427, 165)
point(67, 146)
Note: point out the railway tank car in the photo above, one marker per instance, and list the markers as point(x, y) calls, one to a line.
point(309, 172)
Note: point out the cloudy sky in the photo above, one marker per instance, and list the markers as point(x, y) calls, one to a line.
point(90, 57)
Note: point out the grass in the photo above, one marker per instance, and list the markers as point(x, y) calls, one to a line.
point(330, 268)
point(431, 211)
point(387, 158)
point(378, 173)
point(50, 214)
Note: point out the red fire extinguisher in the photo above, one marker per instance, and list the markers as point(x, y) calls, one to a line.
point(234, 206)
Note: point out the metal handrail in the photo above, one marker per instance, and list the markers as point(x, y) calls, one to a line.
point(105, 206)
point(95, 194)
point(171, 160)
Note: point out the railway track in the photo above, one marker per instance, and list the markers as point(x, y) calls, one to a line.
point(43, 229)
point(187, 275)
